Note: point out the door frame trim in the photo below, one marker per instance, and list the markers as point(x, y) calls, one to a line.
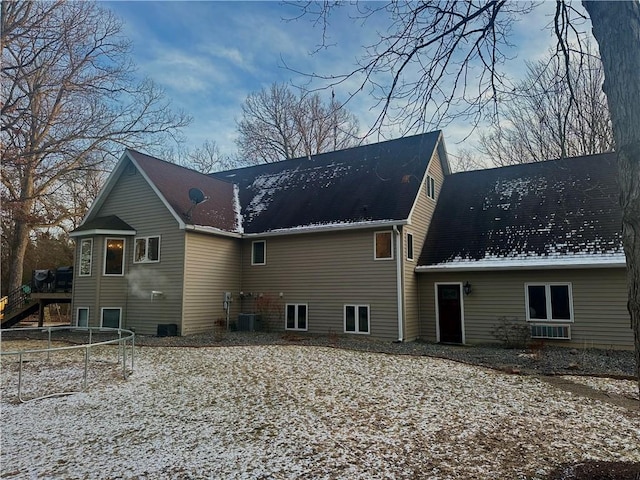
point(435, 287)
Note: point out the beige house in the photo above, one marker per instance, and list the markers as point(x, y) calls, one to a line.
point(538, 245)
point(322, 244)
point(333, 243)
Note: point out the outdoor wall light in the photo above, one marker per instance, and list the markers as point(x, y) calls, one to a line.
point(467, 288)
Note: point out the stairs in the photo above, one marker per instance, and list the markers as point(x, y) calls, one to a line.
point(13, 316)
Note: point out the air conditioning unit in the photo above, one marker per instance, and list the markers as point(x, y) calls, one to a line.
point(249, 322)
point(554, 332)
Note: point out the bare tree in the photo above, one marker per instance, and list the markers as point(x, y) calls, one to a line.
point(542, 118)
point(440, 60)
point(277, 124)
point(206, 158)
point(466, 160)
point(69, 102)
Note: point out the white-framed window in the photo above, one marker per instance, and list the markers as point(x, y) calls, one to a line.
point(259, 252)
point(356, 319)
point(82, 317)
point(296, 316)
point(114, 256)
point(383, 245)
point(110, 317)
point(409, 246)
point(146, 250)
point(549, 302)
point(430, 186)
point(86, 255)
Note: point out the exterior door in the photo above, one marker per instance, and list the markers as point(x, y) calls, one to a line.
point(450, 313)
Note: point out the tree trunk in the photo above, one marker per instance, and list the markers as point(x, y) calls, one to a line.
point(19, 243)
point(616, 27)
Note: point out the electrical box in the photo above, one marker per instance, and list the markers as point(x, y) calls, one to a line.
point(226, 300)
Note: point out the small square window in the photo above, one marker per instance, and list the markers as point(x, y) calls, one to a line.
point(356, 319)
point(147, 250)
point(383, 244)
point(259, 252)
point(431, 187)
point(409, 246)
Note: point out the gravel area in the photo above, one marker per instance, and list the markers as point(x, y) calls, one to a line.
point(547, 360)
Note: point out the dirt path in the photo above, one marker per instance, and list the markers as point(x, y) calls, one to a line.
point(588, 392)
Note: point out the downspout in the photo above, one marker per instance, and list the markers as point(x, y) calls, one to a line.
point(398, 242)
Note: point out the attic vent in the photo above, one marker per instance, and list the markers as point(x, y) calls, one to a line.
point(131, 169)
point(557, 332)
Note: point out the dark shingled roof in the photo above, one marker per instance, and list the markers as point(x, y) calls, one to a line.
point(564, 208)
point(369, 183)
point(109, 222)
point(174, 183)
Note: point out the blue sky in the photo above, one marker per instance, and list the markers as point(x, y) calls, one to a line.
point(208, 56)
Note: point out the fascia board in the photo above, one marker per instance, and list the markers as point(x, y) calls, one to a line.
point(520, 266)
point(326, 228)
point(102, 231)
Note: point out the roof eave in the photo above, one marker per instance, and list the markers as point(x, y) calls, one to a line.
point(211, 231)
point(101, 231)
point(328, 228)
point(615, 262)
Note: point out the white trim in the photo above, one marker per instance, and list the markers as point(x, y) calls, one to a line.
point(375, 244)
point(104, 258)
point(212, 231)
point(78, 316)
point(357, 328)
point(146, 249)
point(102, 309)
point(399, 280)
point(547, 294)
point(461, 292)
point(328, 227)
point(80, 274)
point(102, 231)
point(613, 261)
point(295, 320)
point(264, 252)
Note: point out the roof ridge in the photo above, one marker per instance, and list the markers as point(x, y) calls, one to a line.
point(528, 164)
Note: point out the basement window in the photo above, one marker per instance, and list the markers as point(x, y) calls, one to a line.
point(296, 316)
point(356, 319)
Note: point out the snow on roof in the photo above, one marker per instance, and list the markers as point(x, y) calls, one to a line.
point(370, 183)
point(554, 211)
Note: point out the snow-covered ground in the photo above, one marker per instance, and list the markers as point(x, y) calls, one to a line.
point(304, 412)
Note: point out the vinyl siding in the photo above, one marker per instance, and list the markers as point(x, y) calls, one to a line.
point(134, 201)
point(599, 303)
point(325, 271)
point(419, 224)
point(212, 267)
